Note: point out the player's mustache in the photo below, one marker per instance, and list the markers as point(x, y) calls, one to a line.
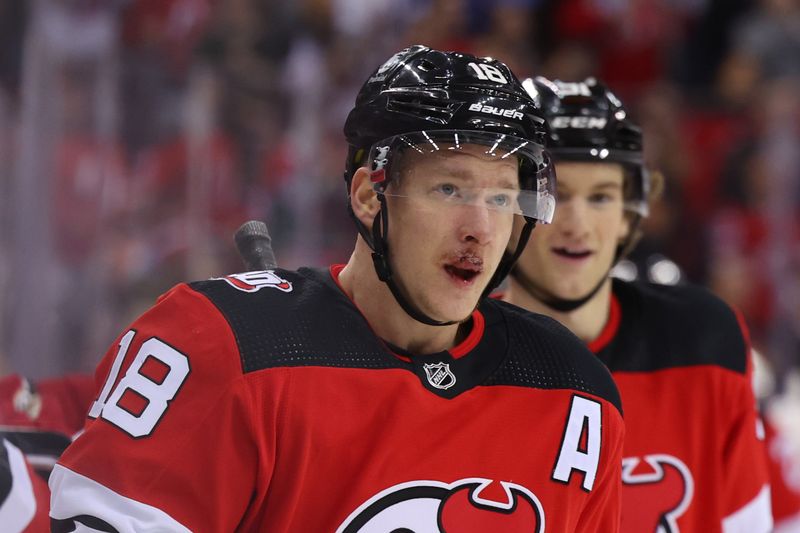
point(465, 259)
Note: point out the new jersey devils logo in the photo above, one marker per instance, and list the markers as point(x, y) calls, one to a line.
point(655, 495)
point(253, 281)
point(439, 375)
point(458, 507)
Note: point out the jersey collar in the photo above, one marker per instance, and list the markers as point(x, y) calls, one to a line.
point(461, 349)
point(610, 328)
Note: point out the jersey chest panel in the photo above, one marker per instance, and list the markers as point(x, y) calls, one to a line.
point(672, 467)
point(691, 453)
point(379, 450)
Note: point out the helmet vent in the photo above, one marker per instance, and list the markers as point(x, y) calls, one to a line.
point(426, 65)
point(430, 109)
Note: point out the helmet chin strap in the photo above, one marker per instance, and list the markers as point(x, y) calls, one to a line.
point(380, 260)
point(565, 305)
point(509, 261)
point(549, 299)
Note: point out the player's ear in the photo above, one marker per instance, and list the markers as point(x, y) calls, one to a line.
point(363, 198)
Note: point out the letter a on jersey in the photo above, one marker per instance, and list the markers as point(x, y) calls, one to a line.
point(580, 446)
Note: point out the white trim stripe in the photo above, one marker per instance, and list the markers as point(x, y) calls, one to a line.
point(19, 508)
point(754, 517)
point(41, 461)
point(75, 495)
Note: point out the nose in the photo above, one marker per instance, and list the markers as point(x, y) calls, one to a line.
point(571, 218)
point(476, 224)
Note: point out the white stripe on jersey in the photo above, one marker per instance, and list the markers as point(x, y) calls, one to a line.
point(74, 495)
point(17, 511)
point(754, 517)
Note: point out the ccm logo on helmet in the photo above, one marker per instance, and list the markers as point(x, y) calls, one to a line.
point(595, 123)
point(510, 113)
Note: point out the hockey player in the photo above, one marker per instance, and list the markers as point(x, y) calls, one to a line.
point(387, 394)
point(36, 422)
point(693, 460)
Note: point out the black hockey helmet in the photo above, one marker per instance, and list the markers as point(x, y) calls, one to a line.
point(421, 99)
point(420, 89)
point(587, 122)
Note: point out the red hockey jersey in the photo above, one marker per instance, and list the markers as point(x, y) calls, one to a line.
point(694, 460)
point(264, 402)
point(36, 422)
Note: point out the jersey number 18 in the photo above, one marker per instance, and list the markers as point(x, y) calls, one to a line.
point(156, 393)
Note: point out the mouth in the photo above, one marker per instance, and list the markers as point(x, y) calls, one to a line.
point(572, 254)
point(464, 268)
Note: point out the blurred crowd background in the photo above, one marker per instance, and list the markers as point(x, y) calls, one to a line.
point(136, 136)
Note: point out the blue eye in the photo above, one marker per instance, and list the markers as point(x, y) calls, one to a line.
point(500, 200)
point(447, 189)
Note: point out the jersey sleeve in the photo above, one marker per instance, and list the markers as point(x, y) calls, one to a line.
point(168, 444)
point(746, 488)
point(784, 485)
point(23, 494)
point(603, 510)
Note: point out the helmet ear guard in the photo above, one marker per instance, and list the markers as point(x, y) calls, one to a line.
point(654, 181)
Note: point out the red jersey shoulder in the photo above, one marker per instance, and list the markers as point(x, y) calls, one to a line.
point(189, 322)
point(183, 338)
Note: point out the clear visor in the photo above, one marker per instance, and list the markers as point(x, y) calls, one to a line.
point(638, 207)
point(637, 177)
point(440, 169)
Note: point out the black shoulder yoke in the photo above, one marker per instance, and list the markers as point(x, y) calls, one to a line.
point(284, 318)
point(545, 354)
point(673, 326)
point(294, 319)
